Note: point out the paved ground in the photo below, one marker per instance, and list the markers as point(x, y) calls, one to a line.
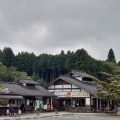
point(42, 115)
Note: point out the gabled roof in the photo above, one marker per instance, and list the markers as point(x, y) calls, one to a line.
point(79, 73)
point(88, 87)
point(18, 89)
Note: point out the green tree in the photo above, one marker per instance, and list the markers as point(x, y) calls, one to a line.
point(40, 66)
point(111, 56)
point(110, 84)
point(8, 57)
point(61, 63)
point(1, 56)
point(50, 67)
point(24, 62)
point(70, 60)
point(10, 74)
point(41, 82)
point(109, 90)
point(36, 78)
point(82, 60)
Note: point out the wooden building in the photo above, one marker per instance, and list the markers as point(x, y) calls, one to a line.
point(26, 94)
point(76, 90)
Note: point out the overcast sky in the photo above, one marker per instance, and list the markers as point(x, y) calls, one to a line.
point(49, 26)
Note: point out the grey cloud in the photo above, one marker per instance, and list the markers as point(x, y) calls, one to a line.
point(52, 25)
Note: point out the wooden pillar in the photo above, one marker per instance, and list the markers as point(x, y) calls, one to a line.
point(108, 105)
point(65, 101)
point(97, 104)
point(51, 103)
point(78, 102)
point(100, 105)
point(71, 104)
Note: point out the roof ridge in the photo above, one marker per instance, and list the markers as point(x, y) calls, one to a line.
point(78, 71)
point(9, 82)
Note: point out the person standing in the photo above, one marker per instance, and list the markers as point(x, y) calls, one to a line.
point(7, 112)
point(10, 109)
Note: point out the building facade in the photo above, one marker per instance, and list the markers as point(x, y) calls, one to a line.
point(25, 94)
point(76, 90)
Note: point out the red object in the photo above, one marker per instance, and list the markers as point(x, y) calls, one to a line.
point(68, 94)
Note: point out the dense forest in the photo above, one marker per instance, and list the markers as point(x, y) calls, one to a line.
point(46, 67)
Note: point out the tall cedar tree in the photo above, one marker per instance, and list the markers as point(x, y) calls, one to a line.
point(24, 62)
point(111, 56)
point(8, 57)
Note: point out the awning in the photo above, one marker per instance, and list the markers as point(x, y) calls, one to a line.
point(11, 96)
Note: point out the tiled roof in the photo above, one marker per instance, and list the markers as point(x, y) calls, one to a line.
point(79, 73)
point(89, 87)
point(27, 91)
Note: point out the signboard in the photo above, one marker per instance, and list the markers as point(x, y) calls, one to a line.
point(80, 94)
point(72, 94)
point(87, 101)
point(28, 102)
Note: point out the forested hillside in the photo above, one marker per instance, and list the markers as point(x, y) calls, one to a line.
point(46, 67)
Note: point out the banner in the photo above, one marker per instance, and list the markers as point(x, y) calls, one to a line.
point(72, 94)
